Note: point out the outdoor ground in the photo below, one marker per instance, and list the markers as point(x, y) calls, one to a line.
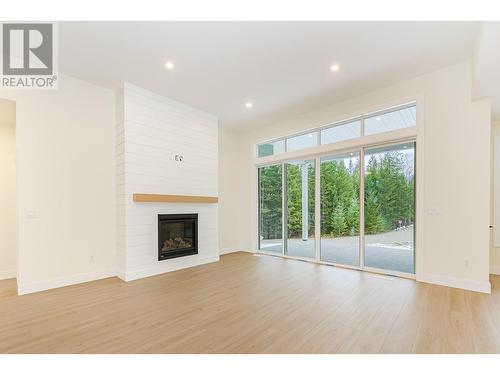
point(389, 250)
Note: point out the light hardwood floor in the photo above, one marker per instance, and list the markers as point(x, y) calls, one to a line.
point(252, 304)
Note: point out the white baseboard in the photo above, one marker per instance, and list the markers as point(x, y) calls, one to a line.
point(495, 270)
point(121, 274)
point(229, 251)
point(166, 267)
point(9, 274)
point(453, 282)
point(38, 286)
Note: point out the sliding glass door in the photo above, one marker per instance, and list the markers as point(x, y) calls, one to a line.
point(376, 232)
point(340, 209)
point(271, 208)
point(300, 190)
point(389, 207)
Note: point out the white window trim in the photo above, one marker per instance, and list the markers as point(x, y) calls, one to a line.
point(415, 133)
point(317, 129)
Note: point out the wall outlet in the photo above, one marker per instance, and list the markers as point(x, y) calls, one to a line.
point(91, 259)
point(466, 262)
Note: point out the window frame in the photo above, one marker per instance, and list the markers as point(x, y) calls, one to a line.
point(361, 148)
point(320, 128)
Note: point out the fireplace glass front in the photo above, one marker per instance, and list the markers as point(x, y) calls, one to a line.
point(177, 235)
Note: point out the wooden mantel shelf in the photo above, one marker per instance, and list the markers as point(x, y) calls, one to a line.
point(173, 198)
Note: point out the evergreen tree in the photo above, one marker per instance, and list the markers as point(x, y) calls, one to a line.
point(374, 221)
point(352, 217)
point(339, 225)
point(389, 195)
point(294, 201)
point(270, 201)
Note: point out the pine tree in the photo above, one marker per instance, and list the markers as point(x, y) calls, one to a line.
point(339, 225)
point(352, 219)
point(388, 200)
point(374, 222)
point(294, 201)
point(270, 201)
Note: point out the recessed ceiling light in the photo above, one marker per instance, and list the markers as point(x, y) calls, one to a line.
point(169, 65)
point(335, 67)
point(249, 104)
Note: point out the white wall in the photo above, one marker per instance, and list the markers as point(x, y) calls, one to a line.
point(456, 173)
point(66, 199)
point(230, 174)
point(151, 130)
point(7, 189)
point(65, 184)
point(495, 199)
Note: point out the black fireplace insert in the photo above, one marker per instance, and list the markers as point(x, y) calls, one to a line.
point(177, 235)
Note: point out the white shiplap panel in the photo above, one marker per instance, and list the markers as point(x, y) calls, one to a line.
point(168, 152)
point(152, 131)
point(139, 154)
point(174, 178)
point(142, 216)
point(153, 112)
point(175, 144)
point(144, 135)
point(195, 131)
point(120, 184)
point(144, 116)
point(137, 94)
point(166, 168)
point(149, 120)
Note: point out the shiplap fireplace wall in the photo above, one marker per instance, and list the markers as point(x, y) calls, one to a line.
point(163, 147)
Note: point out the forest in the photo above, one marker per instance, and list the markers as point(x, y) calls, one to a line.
point(388, 198)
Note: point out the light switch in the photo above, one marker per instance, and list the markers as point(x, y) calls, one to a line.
point(434, 211)
point(31, 214)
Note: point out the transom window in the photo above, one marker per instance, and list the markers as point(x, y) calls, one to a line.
point(396, 118)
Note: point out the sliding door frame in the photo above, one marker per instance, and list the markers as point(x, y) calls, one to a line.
point(285, 205)
point(317, 208)
point(259, 210)
point(362, 205)
point(415, 134)
point(317, 204)
point(381, 270)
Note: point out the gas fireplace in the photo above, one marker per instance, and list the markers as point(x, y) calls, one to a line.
point(177, 235)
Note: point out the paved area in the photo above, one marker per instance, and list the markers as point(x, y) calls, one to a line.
point(390, 250)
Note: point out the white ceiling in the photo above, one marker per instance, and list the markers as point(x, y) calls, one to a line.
point(282, 67)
